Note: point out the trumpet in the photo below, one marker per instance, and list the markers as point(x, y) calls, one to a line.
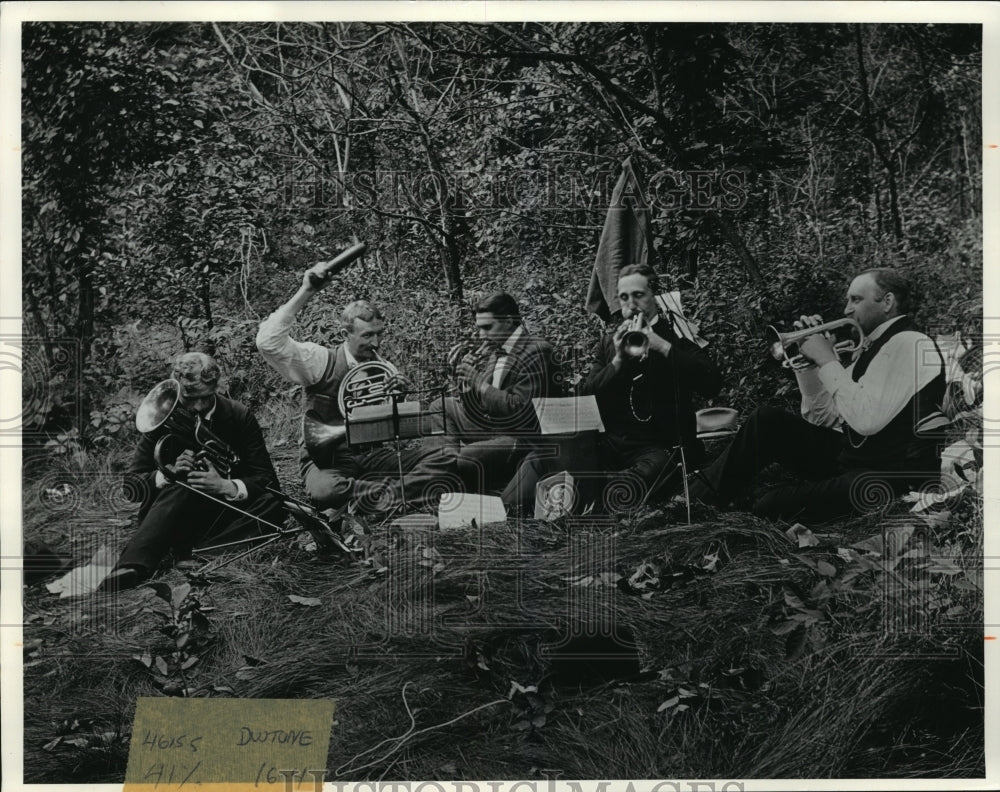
point(162, 415)
point(635, 342)
point(785, 345)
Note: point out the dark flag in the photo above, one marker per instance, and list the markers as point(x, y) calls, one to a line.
point(626, 239)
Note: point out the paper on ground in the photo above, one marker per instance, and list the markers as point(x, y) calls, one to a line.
point(568, 415)
point(459, 509)
point(84, 580)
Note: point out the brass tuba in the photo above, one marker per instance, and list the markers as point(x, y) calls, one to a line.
point(784, 346)
point(177, 428)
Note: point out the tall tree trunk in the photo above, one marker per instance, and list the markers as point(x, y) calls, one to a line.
point(872, 136)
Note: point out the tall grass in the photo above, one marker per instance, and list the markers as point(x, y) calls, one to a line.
point(429, 639)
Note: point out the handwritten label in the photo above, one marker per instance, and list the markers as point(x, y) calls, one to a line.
point(228, 745)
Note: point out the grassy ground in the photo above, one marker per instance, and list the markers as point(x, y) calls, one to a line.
point(728, 650)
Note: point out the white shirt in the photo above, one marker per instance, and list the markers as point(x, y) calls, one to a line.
point(301, 362)
point(505, 349)
point(902, 367)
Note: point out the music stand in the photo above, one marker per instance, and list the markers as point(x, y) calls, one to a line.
point(399, 420)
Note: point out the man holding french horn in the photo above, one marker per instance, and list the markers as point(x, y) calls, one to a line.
point(862, 437)
point(334, 472)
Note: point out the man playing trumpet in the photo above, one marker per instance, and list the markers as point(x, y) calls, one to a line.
point(857, 440)
point(644, 377)
point(339, 474)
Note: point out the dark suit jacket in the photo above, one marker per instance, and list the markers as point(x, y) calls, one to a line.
point(528, 374)
point(231, 422)
point(663, 393)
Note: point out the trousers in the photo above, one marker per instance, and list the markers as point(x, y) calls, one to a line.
point(824, 488)
point(179, 520)
point(613, 472)
point(371, 477)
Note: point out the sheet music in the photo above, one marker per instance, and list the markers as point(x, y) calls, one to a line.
point(459, 509)
point(568, 415)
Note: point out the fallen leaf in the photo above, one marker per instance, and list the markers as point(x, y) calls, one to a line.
point(805, 537)
point(937, 519)
point(161, 590)
point(670, 702)
point(161, 665)
point(942, 566)
point(873, 544)
point(179, 593)
point(311, 602)
point(826, 569)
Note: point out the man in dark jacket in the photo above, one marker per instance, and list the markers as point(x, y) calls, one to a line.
point(858, 442)
point(175, 518)
point(646, 405)
point(494, 416)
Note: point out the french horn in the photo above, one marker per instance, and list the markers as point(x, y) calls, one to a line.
point(323, 424)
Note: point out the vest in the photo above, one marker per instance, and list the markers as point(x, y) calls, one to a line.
point(319, 406)
point(897, 446)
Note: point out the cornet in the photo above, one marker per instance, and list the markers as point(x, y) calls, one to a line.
point(784, 347)
point(635, 342)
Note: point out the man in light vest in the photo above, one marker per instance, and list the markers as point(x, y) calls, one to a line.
point(858, 443)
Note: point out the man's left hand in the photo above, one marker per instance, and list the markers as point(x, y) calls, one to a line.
point(398, 383)
point(817, 348)
point(211, 483)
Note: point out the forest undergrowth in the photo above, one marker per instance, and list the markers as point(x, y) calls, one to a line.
point(628, 647)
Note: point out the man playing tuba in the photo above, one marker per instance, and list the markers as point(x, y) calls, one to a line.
point(176, 518)
point(334, 473)
point(858, 441)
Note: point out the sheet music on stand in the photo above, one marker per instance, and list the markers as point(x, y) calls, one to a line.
point(568, 415)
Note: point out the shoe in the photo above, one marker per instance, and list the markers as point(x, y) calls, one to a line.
point(122, 579)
